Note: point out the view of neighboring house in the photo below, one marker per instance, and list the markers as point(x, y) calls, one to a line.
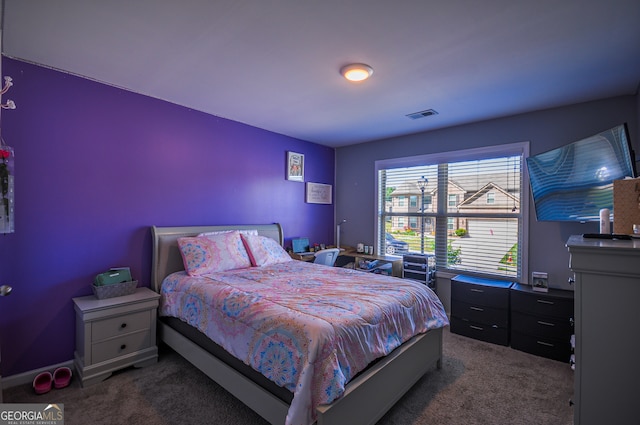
point(489, 195)
point(482, 212)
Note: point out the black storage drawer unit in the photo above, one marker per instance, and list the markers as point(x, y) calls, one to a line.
point(420, 267)
point(542, 322)
point(480, 308)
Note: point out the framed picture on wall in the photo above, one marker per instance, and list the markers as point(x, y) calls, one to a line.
point(295, 166)
point(318, 193)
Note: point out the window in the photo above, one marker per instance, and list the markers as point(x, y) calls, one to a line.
point(413, 201)
point(427, 202)
point(401, 201)
point(475, 204)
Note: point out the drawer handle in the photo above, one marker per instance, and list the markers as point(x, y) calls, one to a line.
point(478, 328)
point(123, 346)
point(476, 308)
point(545, 302)
point(124, 325)
point(547, 344)
point(540, 322)
point(476, 290)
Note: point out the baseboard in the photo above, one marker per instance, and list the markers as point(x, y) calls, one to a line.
point(28, 377)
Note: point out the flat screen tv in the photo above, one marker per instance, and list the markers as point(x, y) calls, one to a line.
point(574, 182)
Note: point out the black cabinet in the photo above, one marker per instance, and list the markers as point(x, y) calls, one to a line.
point(420, 267)
point(480, 308)
point(542, 322)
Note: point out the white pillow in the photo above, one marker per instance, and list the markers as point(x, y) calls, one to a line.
point(264, 251)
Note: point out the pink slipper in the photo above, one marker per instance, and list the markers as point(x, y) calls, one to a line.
point(61, 377)
point(42, 383)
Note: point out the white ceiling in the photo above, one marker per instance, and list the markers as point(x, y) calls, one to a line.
point(275, 64)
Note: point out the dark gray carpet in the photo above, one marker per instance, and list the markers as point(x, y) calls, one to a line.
point(479, 383)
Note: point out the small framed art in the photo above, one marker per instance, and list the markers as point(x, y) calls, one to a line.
point(539, 282)
point(295, 166)
point(318, 193)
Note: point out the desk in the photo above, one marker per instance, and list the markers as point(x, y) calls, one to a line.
point(308, 257)
point(396, 262)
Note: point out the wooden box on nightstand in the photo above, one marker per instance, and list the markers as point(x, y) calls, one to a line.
point(115, 333)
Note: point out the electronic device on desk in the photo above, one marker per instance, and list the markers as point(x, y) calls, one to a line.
point(420, 267)
point(301, 246)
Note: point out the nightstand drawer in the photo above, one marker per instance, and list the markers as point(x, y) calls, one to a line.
point(480, 314)
point(541, 304)
point(545, 347)
point(112, 348)
point(489, 293)
point(488, 333)
point(103, 329)
point(551, 327)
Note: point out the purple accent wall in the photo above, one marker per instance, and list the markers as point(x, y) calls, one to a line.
point(96, 166)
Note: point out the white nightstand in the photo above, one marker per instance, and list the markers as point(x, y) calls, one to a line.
point(115, 333)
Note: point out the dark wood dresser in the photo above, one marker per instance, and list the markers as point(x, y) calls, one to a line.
point(542, 322)
point(480, 308)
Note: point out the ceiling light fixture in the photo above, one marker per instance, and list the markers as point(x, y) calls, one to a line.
point(356, 72)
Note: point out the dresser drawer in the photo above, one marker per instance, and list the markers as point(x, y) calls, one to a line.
point(488, 333)
point(489, 293)
point(126, 344)
point(541, 304)
point(121, 325)
point(552, 327)
point(545, 347)
point(480, 314)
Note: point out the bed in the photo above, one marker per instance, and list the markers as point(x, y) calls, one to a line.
point(367, 395)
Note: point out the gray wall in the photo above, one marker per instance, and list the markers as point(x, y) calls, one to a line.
point(548, 129)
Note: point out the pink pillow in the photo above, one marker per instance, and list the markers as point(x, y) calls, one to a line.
point(264, 251)
point(213, 253)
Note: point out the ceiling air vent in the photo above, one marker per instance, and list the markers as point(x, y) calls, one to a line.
point(422, 114)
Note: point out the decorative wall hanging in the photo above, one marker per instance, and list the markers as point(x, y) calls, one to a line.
point(6, 171)
point(318, 193)
point(295, 166)
point(6, 189)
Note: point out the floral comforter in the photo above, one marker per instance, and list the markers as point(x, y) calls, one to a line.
point(309, 328)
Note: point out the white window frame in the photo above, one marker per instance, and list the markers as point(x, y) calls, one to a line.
point(517, 148)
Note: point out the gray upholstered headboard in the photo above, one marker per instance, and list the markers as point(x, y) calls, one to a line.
point(166, 258)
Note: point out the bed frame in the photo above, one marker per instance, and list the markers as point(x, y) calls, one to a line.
point(367, 397)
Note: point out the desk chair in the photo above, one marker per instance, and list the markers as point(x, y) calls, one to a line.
point(327, 257)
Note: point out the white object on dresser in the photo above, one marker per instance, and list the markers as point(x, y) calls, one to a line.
point(607, 290)
point(115, 333)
